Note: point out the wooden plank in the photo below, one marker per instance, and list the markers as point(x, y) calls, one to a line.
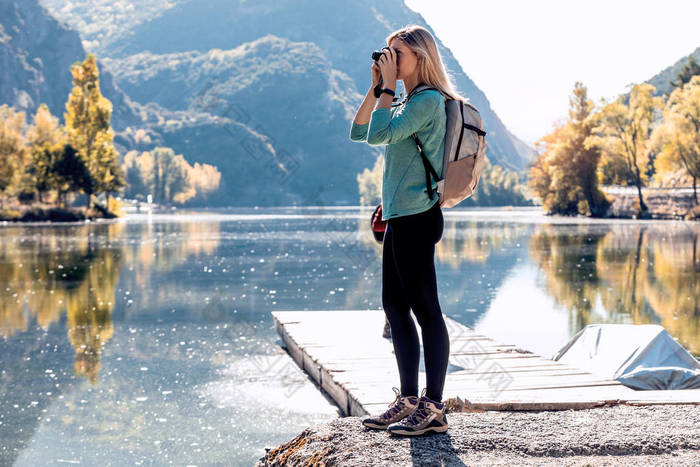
point(379, 376)
point(357, 368)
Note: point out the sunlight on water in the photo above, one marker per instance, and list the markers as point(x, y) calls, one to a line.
point(150, 339)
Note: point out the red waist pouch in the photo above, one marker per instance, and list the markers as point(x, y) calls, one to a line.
point(378, 225)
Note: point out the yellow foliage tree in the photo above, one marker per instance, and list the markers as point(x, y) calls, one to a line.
point(678, 137)
point(12, 147)
point(202, 180)
point(624, 132)
point(45, 137)
point(87, 119)
point(45, 129)
point(564, 176)
point(168, 177)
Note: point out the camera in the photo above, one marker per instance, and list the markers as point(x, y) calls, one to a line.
point(378, 53)
point(377, 89)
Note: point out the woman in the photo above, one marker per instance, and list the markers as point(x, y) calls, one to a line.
point(414, 222)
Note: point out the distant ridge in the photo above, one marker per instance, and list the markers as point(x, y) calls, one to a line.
point(295, 71)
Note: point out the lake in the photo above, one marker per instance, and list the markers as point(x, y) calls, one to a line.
point(149, 340)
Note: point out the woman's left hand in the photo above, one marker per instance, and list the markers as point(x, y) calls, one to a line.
point(387, 65)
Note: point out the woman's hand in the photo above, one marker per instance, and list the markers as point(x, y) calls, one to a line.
point(387, 65)
point(376, 74)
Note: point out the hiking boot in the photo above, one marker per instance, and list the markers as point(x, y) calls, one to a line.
point(398, 410)
point(429, 416)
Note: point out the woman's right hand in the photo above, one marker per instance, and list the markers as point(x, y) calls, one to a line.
point(376, 74)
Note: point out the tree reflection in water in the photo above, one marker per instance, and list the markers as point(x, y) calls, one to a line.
point(624, 273)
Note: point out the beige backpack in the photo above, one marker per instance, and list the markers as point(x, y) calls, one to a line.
point(465, 152)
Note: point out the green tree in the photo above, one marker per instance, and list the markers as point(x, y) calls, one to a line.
point(690, 68)
point(498, 187)
point(623, 133)
point(169, 175)
point(70, 172)
point(136, 184)
point(87, 119)
point(369, 183)
point(565, 176)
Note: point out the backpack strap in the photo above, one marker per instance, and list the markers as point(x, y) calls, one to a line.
point(429, 170)
point(417, 89)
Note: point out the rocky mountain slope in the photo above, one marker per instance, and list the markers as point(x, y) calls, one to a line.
point(662, 80)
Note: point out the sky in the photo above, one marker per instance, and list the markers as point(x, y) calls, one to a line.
point(526, 55)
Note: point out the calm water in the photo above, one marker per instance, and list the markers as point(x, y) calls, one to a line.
point(150, 341)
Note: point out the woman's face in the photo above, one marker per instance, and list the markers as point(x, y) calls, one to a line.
point(406, 60)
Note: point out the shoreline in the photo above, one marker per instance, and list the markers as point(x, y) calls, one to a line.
point(663, 204)
point(38, 214)
point(616, 435)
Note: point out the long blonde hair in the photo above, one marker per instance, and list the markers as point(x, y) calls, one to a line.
point(431, 70)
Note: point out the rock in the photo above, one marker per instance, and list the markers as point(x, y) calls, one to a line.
point(659, 434)
point(661, 204)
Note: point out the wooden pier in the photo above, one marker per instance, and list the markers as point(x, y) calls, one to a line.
point(345, 354)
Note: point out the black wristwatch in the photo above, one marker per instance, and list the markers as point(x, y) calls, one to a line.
point(388, 91)
point(378, 91)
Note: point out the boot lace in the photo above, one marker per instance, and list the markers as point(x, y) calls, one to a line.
point(394, 407)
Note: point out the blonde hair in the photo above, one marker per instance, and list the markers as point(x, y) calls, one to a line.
point(431, 70)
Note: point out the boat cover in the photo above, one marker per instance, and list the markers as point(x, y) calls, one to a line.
point(640, 356)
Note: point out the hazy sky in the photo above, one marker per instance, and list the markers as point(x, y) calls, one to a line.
point(526, 55)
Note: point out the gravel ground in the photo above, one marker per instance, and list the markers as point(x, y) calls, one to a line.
point(618, 435)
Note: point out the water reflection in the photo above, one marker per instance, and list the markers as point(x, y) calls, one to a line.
point(48, 271)
point(476, 241)
point(135, 330)
point(624, 273)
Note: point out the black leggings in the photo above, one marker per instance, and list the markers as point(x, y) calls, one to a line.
point(408, 282)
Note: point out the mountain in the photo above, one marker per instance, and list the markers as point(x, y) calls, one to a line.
point(264, 90)
point(282, 112)
point(662, 80)
point(36, 52)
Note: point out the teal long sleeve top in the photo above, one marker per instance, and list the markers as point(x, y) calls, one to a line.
point(403, 176)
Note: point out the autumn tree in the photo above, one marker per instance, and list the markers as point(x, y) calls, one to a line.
point(12, 147)
point(623, 134)
point(202, 180)
point(39, 174)
point(44, 136)
point(168, 177)
point(87, 119)
point(45, 129)
point(565, 176)
point(678, 136)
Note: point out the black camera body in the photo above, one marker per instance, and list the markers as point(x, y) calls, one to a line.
point(378, 53)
